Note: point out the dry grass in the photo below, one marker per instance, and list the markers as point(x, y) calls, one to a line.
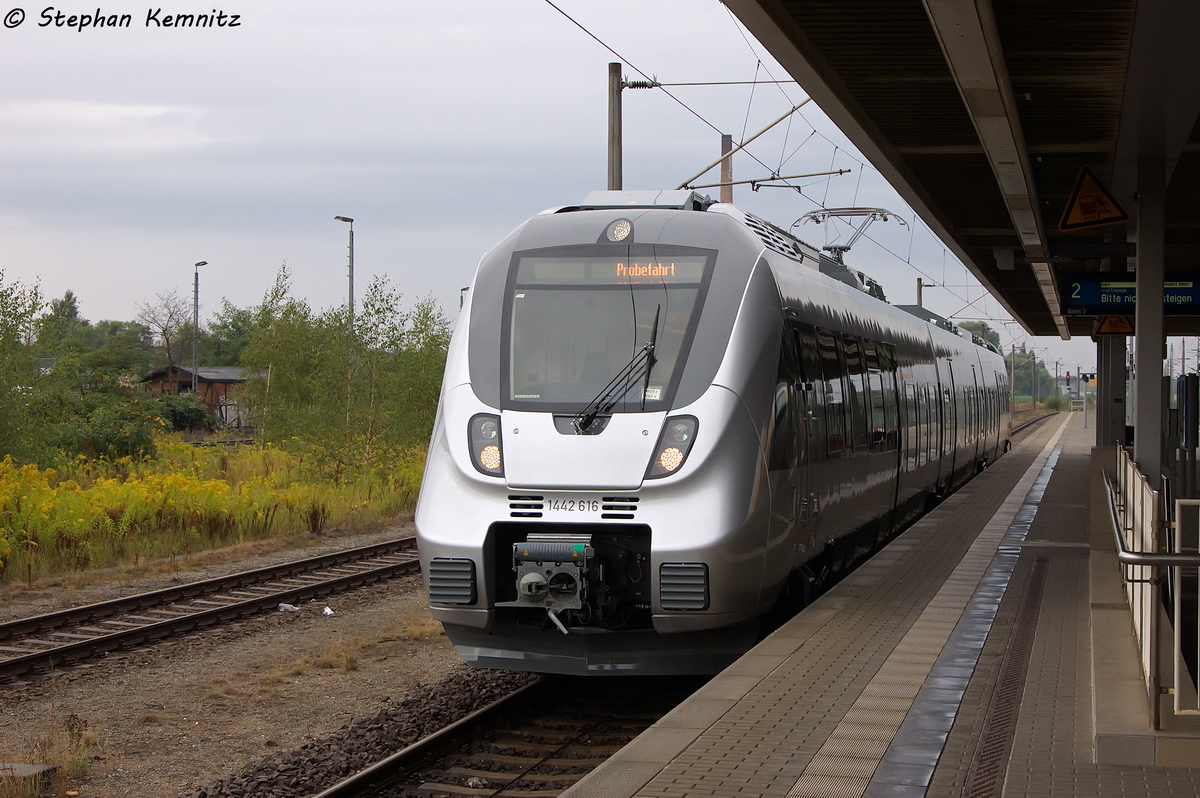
point(420, 627)
point(339, 654)
point(70, 749)
point(223, 688)
point(299, 667)
point(279, 674)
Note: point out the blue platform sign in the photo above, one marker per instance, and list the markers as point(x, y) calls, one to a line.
point(1115, 294)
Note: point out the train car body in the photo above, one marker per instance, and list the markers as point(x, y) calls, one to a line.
point(660, 420)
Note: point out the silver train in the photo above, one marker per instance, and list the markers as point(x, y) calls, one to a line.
point(662, 425)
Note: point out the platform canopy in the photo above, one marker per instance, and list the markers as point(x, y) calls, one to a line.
point(983, 114)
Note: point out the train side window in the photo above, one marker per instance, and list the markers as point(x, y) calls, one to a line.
point(782, 446)
point(926, 424)
point(887, 357)
point(856, 391)
point(879, 431)
point(967, 418)
point(782, 454)
point(813, 399)
point(810, 358)
point(912, 425)
point(871, 355)
point(831, 379)
point(931, 420)
point(948, 441)
point(884, 423)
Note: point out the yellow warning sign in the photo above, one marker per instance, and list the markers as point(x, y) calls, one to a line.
point(1091, 204)
point(1113, 325)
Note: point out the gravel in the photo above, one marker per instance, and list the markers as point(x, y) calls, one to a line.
point(317, 765)
point(278, 690)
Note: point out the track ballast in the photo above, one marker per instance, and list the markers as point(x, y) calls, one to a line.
point(41, 642)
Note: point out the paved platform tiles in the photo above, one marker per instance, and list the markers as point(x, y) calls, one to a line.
point(955, 662)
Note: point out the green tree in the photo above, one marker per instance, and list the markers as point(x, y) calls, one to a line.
point(982, 329)
point(227, 335)
point(124, 346)
point(1027, 365)
point(19, 370)
point(351, 395)
point(61, 329)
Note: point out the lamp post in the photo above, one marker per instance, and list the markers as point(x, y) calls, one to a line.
point(350, 221)
point(196, 326)
point(1035, 378)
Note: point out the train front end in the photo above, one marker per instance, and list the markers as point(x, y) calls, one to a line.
point(592, 497)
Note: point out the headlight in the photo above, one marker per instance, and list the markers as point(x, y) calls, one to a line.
point(673, 446)
point(486, 448)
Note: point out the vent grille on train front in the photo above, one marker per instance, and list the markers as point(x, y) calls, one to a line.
point(622, 507)
point(775, 238)
point(525, 506)
point(451, 581)
point(683, 585)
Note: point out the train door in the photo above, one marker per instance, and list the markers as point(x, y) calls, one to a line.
point(912, 430)
point(977, 419)
point(809, 428)
point(883, 425)
point(782, 451)
point(833, 432)
point(949, 429)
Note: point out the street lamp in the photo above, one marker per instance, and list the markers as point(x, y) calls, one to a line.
point(196, 326)
point(350, 221)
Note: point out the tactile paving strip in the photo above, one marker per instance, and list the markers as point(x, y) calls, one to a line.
point(987, 771)
point(917, 747)
point(920, 647)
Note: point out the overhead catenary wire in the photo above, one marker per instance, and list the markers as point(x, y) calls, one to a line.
point(652, 82)
point(684, 105)
point(761, 181)
point(742, 145)
point(655, 83)
point(625, 61)
point(750, 102)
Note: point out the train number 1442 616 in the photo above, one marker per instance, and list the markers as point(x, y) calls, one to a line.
point(573, 505)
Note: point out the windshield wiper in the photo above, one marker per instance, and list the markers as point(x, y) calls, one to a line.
point(619, 385)
point(650, 363)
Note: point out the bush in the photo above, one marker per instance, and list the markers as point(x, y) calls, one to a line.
point(110, 432)
point(96, 512)
point(185, 413)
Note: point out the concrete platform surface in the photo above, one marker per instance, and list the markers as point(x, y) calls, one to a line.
point(983, 652)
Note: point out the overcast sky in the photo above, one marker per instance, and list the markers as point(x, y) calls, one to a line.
point(128, 154)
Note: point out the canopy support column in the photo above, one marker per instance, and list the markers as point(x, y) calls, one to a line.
point(1148, 329)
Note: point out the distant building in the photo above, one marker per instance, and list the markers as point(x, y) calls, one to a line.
point(213, 385)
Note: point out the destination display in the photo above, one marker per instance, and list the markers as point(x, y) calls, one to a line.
point(1115, 294)
point(686, 269)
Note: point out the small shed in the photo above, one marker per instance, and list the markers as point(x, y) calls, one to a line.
point(213, 384)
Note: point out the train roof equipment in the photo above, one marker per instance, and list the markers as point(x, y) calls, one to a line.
point(776, 238)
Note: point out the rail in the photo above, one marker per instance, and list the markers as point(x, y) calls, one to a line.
point(537, 742)
point(43, 641)
point(1135, 509)
point(385, 772)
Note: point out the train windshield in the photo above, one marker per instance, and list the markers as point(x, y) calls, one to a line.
point(575, 317)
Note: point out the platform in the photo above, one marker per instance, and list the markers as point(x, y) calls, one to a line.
point(986, 651)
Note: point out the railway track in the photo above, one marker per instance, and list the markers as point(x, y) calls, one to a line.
point(41, 642)
point(538, 741)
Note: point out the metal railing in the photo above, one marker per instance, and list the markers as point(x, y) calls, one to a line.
point(1138, 529)
point(1187, 619)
